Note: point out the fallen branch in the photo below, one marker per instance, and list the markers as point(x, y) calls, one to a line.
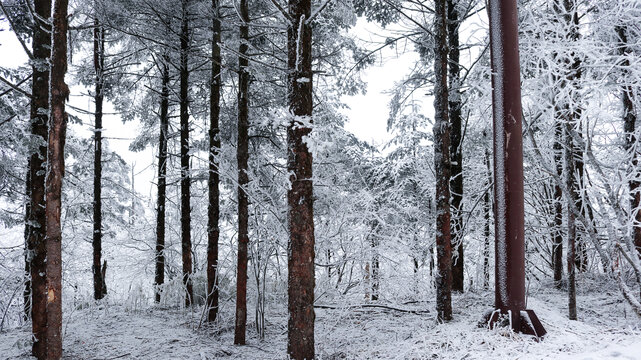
point(368, 306)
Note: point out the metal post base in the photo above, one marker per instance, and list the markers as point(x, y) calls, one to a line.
point(525, 323)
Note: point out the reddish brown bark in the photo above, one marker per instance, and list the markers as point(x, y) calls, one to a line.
point(300, 198)
point(456, 145)
point(213, 212)
point(59, 92)
point(508, 161)
point(185, 177)
point(36, 220)
point(99, 286)
point(442, 166)
point(242, 156)
point(159, 278)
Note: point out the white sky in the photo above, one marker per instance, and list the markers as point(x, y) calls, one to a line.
point(367, 114)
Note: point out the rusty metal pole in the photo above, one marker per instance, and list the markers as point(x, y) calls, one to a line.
point(508, 170)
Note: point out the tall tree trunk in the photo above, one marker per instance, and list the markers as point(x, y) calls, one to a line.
point(213, 210)
point(487, 209)
point(185, 176)
point(59, 92)
point(99, 286)
point(442, 166)
point(629, 124)
point(36, 220)
point(243, 178)
point(300, 198)
point(583, 202)
point(456, 144)
point(159, 279)
point(557, 245)
point(509, 212)
point(373, 237)
point(571, 186)
point(571, 113)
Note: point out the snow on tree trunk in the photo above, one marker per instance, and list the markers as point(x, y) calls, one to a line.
point(508, 165)
point(557, 245)
point(629, 125)
point(36, 220)
point(99, 286)
point(185, 177)
point(456, 145)
point(242, 156)
point(213, 210)
point(300, 201)
point(159, 278)
point(442, 166)
point(58, 94)
point(487, 209)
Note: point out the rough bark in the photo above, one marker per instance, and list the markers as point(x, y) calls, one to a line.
point(36, 220)
point(487, 209)
point(557, 245)
point(213, 210)
point(375, 270)
point(99, 286)
point(571, 223)
point(300, 339)
point(159, 278)
point(242, 156)
point(442, 166)
point(58, 93)
point(629, 124)
point(185, 176)
point(456, 145)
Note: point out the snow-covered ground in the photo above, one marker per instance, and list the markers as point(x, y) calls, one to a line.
point(606, 330)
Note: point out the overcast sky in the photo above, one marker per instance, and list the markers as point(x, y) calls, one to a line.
point(367, 114)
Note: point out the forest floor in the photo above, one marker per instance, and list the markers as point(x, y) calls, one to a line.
point(606, 330)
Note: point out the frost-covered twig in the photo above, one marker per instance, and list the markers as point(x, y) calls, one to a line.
point(282, 11)
point(13, 27)
point(605, 259)
point(15, 87)
point(318, 11)
point(627, 294)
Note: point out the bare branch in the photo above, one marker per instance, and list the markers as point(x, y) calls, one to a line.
point(13, 27)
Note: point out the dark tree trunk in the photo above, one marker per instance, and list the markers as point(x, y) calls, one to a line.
point(571, 113)
point(456, 145)
point(243, 178)
point(487, 209)
point(28, 251)
point(159, 279)
point(583, 204)
point(373, 237)
point(36, 221)
point(571, 186)
point(185, 176)
point(300, 198)
point(442, 166)
point(59, 92)
point(509, 293)
point(629, 124)
point(99, 286)
point(213, 210)
point(557, 245)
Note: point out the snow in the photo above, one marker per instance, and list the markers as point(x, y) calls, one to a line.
point(113, 331)
point(499, 153)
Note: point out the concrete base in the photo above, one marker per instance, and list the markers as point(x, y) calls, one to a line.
point(526, 322)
